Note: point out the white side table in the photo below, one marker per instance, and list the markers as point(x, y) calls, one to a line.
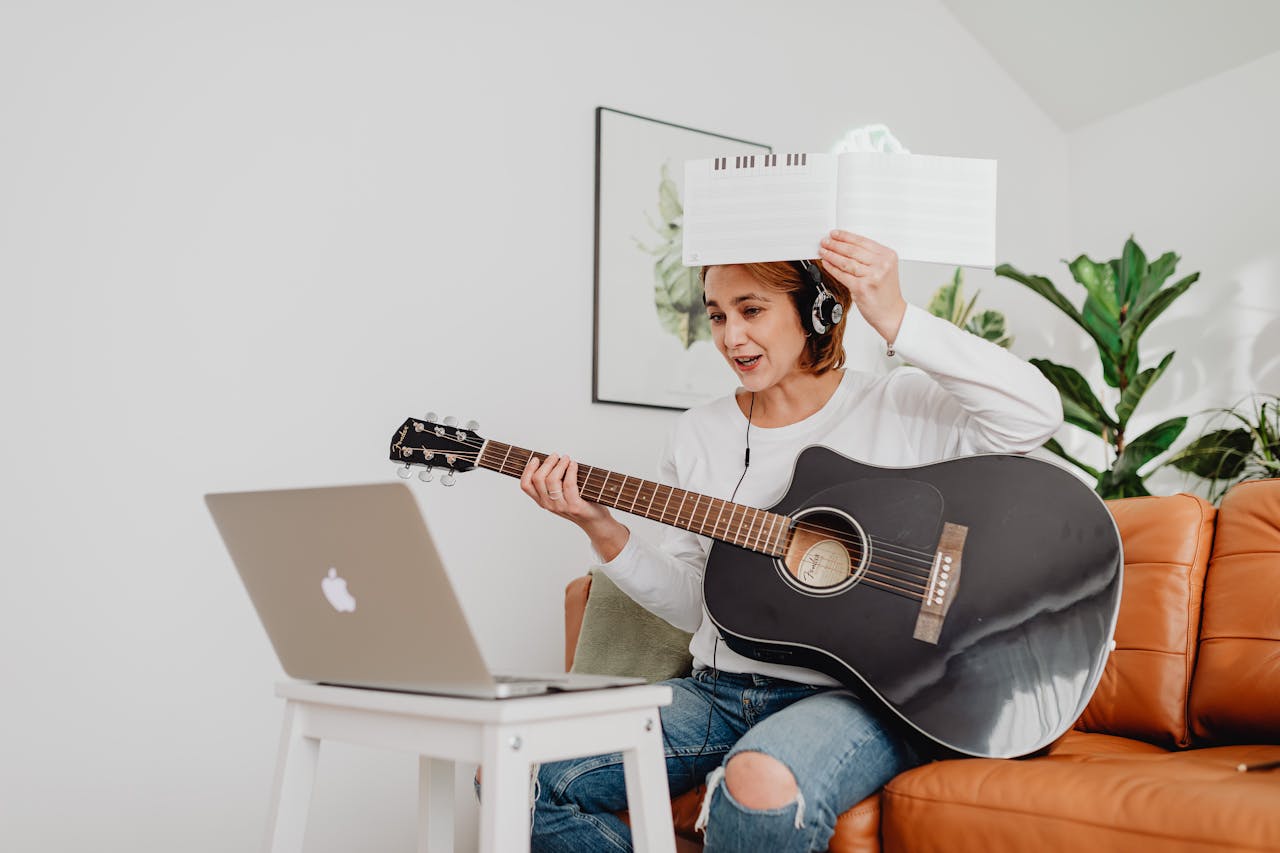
point(505, 737)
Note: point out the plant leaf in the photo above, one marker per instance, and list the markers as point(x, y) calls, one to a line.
point(1045, 288)
point(1269, 429)
point(943, 303)
point(1133, 272)
point(1079, 404)
point(1110, 487)
point(1217, 455)
point(963, 317)
point(1152, 307)
point(989, 325)
point(1132, 394)
point(1146, 447)
point(1053, 446)
point(1100, 281)
point(1138, 321)
point(1105, 333)
point(1157, 274)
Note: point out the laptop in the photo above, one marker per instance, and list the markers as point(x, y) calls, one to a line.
point(352, 592)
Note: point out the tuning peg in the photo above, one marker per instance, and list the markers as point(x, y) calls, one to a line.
point(447, 479)
point(425, 475)
point(451, 421)
point(433, 417)
point(473, 425)
point(404, 473)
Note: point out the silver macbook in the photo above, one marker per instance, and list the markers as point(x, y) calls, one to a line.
point(351, 591)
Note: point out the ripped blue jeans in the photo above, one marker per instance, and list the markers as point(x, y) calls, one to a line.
point(838, 750)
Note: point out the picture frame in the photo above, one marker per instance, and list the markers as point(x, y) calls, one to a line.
point(651, 343)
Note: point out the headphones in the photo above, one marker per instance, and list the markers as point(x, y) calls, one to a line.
point(825, 312)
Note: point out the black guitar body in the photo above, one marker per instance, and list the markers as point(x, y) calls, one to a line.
point(1030, 617)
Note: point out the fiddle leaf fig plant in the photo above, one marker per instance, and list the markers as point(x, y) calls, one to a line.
point(948, 303)
point(1244, 444)
point(1123, 297)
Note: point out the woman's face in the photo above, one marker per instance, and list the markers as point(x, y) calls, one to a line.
point(756, 329)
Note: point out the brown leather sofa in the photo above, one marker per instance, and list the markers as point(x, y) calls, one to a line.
point(1190, 695)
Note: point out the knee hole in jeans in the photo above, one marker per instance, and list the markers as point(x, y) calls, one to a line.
point(760, 781)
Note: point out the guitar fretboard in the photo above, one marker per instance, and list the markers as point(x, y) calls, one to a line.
point(747, 527)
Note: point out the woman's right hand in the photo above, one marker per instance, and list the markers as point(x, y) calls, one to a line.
point(553, 485)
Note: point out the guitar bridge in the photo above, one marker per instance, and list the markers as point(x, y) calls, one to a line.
point(944, 580)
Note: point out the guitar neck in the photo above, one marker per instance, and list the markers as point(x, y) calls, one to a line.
point(744, 526)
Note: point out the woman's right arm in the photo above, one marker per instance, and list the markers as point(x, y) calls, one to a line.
point(666, 580)
point(553, 485)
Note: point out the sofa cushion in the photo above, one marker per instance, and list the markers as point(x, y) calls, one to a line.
point(575, 604)
point(1090, 743)
point(1143, 690)
point(1235, 696)
point(619, 637)
point(1111, 801)
point(857, 830)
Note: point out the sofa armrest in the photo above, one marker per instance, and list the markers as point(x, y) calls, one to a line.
point(575, 605)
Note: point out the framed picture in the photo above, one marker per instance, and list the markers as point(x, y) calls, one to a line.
point(652, 340)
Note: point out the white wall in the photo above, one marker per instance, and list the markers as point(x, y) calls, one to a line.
point(1192, 172)
point(240, 242)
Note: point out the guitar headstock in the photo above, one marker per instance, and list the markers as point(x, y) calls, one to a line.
point(428, 445)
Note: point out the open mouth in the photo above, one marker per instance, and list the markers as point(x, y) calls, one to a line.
point(747, 362)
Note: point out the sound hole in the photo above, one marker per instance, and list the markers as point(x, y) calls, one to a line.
point(827, 552)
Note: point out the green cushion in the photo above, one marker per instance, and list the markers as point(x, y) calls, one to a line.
point(619, 637)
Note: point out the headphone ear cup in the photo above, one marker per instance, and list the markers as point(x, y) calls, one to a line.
point(827, 312)
point(831, 310)
point(819, 319)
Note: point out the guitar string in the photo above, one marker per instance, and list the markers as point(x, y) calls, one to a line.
point(702, 519)
point(903, 587)
point(890, 548)
point(920, 573)
point(910, 589)
point(908, 586)
point(925, 558)
point(913, 584)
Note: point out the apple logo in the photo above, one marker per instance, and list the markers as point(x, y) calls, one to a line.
point(335, 589)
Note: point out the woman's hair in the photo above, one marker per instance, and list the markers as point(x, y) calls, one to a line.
point(821, 352)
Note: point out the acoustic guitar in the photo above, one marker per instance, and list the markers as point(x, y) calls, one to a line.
point(974, 598)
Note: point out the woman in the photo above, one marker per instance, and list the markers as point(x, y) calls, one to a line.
point(787, 750)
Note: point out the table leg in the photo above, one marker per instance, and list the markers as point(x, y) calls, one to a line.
point(648, 797)
point(294, 783)
point(435, 805)
point(504, 797)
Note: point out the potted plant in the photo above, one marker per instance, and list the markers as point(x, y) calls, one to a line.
point(1243, 444)
point(1123, 297)
point(948, 303)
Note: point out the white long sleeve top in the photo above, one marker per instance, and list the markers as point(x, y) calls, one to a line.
point(963, 395)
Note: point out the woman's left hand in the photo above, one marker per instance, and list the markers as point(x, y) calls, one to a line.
point(870, 271)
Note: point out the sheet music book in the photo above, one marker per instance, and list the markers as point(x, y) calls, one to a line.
point(775, 207)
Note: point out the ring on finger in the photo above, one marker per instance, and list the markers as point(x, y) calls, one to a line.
point(555, 496)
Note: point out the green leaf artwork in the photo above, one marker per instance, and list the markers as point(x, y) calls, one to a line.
point(677, 292)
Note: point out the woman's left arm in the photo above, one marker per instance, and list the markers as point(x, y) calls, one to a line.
point(985, 398)
point(981, 397)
